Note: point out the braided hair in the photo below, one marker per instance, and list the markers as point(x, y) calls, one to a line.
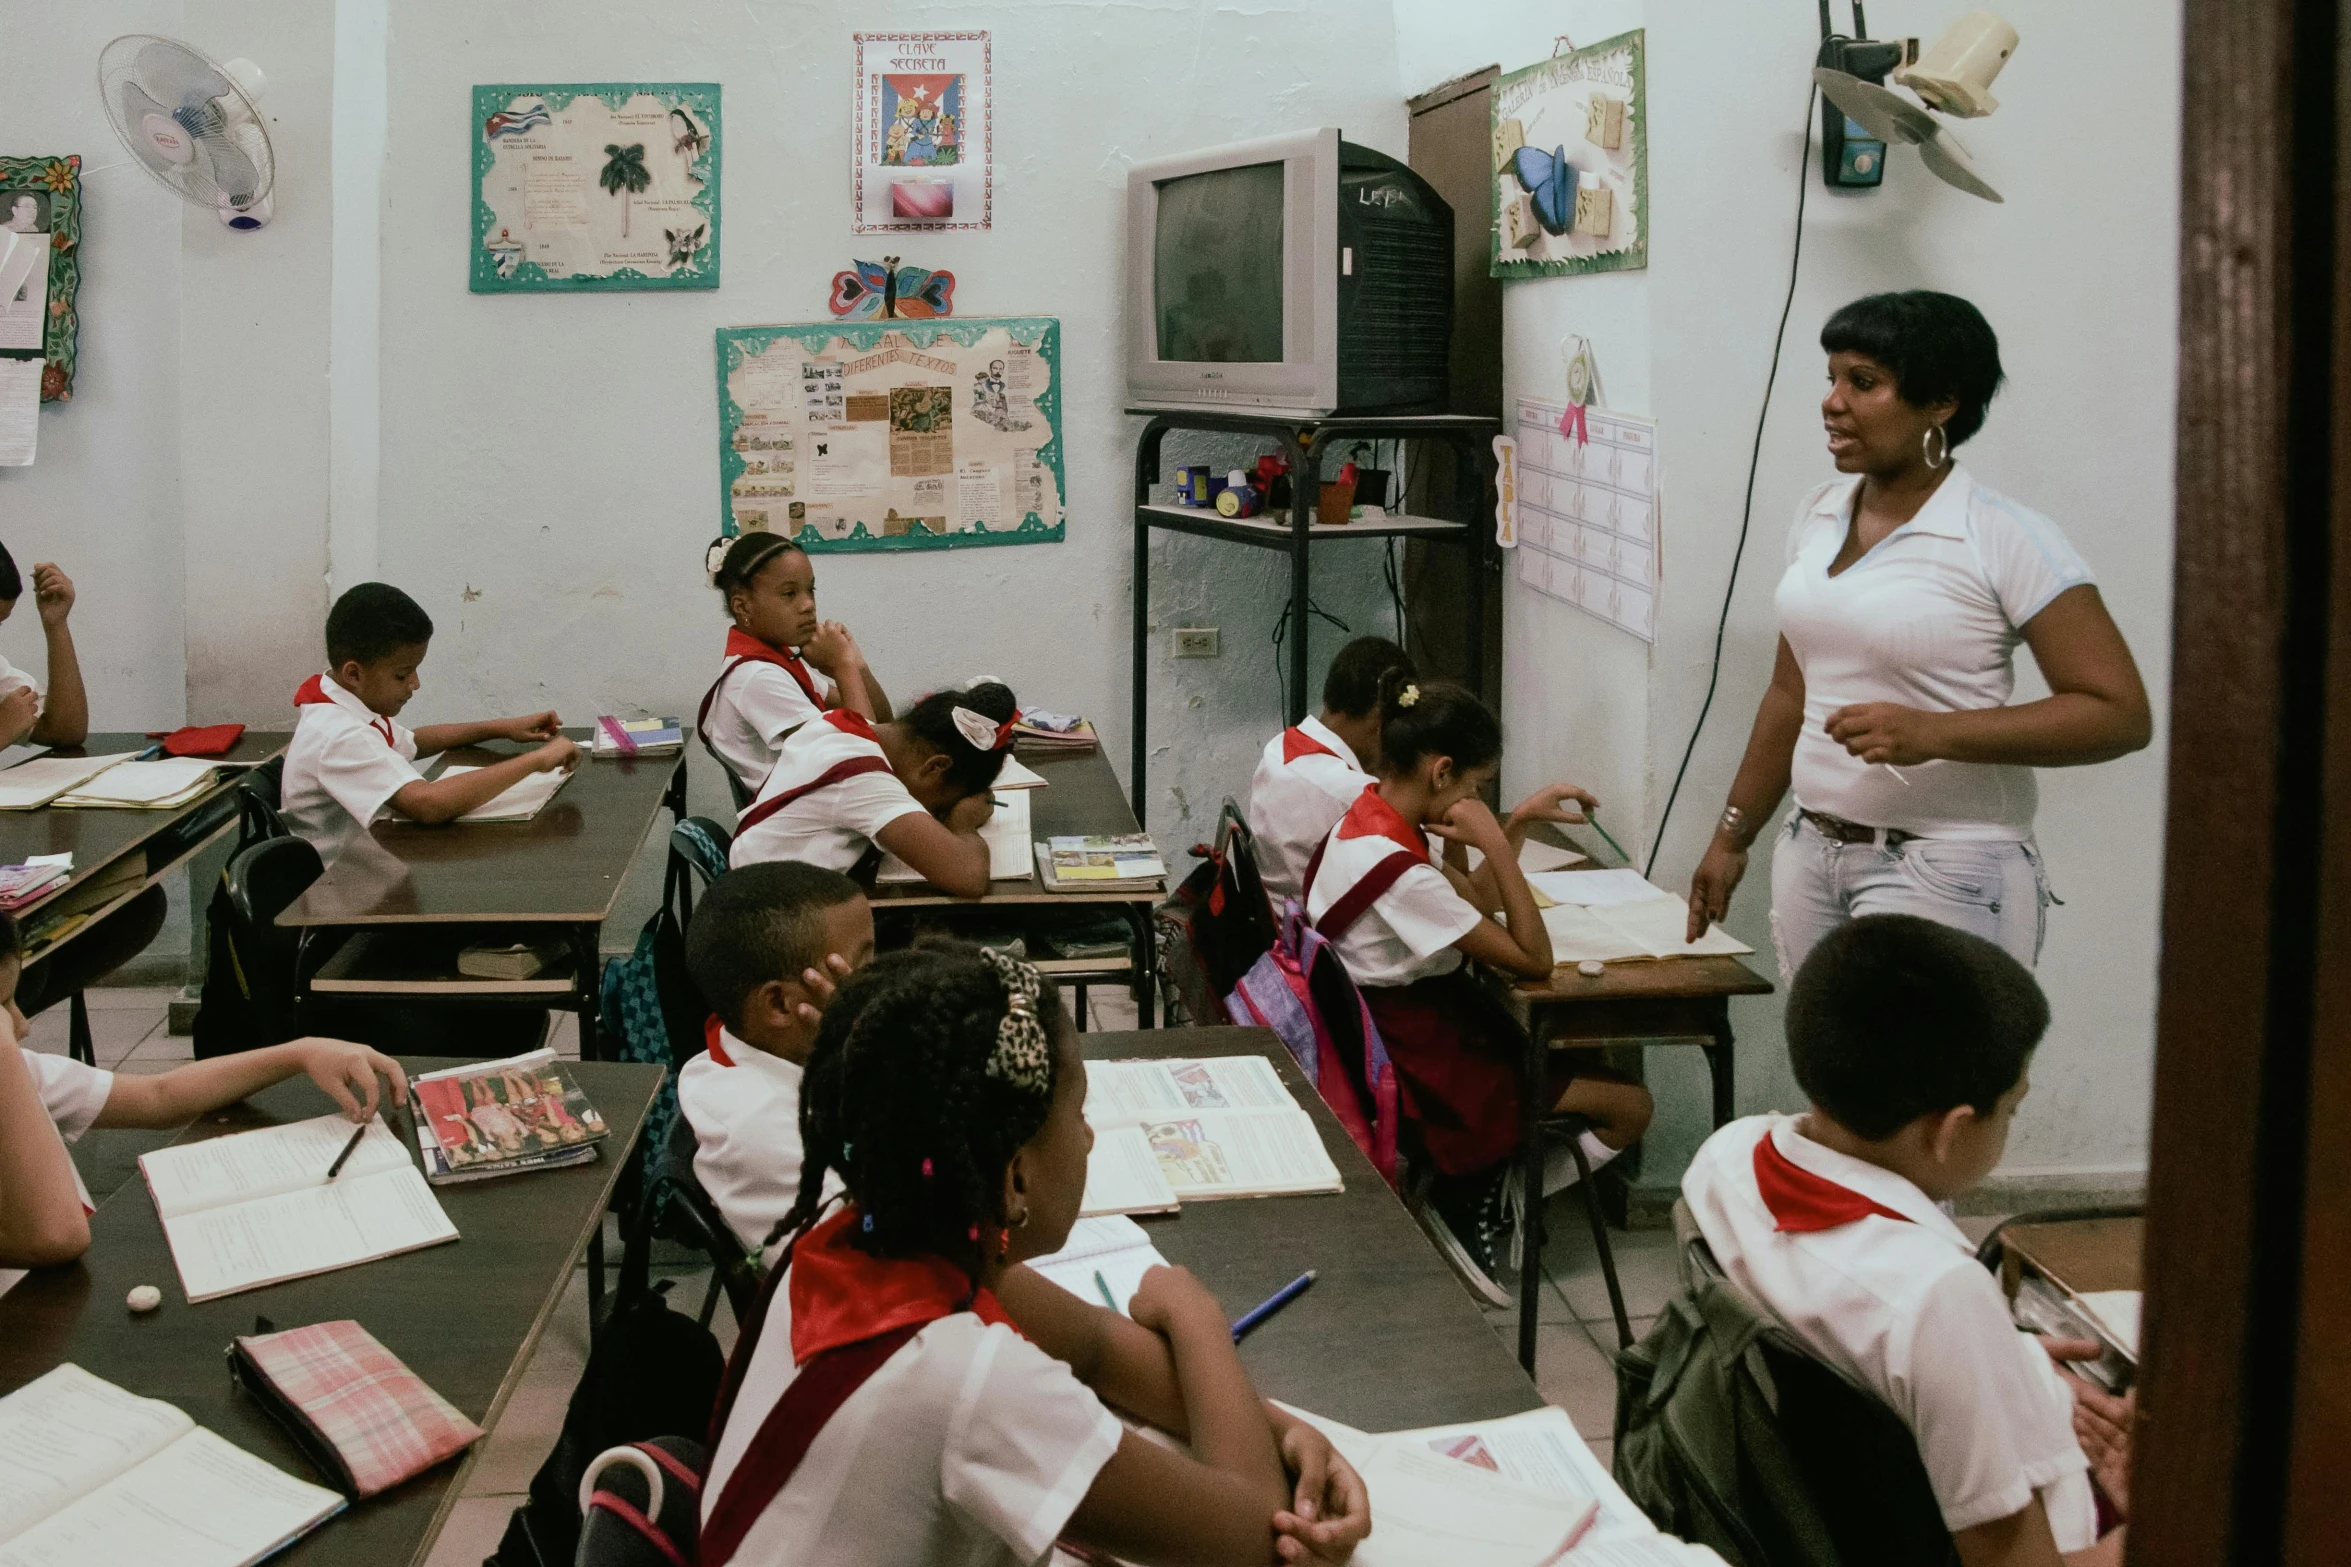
point(900, 1100)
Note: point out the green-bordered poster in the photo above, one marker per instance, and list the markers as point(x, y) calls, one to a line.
point(41, 265)
point(595, 185)
point(1571, 163)
point(892, 435)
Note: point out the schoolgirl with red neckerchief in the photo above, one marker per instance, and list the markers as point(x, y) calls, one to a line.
point(909, 1391)
point(1405, 921)
point(844, 790)
point(783, 666)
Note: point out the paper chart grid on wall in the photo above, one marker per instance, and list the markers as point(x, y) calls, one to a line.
point(1588, 517)
point(893, 435)
point(924, 135)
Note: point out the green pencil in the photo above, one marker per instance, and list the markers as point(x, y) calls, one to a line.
point(1593, 817)
point(1103, 1285)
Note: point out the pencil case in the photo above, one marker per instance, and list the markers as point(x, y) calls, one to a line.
point(362, 1418)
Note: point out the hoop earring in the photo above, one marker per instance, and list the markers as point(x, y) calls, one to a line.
point(1927, 446)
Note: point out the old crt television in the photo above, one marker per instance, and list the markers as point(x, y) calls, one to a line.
point(1299, 274)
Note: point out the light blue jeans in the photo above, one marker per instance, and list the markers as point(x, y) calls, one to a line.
point(1993, 889)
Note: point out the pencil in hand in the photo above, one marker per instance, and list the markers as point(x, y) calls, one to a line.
point(349, 1149)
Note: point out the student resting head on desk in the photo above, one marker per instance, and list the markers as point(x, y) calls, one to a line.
point(766, 689)
point(967, 1407)
point(766, 946)
point(1311, 773)
point(64, 717)
point(1403, 921)
point(351, 757)
point(1912, 1040)
point(51, 1100)
point(844, 790)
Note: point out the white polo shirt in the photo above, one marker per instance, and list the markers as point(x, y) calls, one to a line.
point(73, 1094)
point(1930, 619)
point(1900, 1305)
point(15, 679)
point(970, 1447)
point(754, 705)
point(744, 1106)
point(1408, 932)
point(1305, 781)
point(828, 823)
point(343, 766)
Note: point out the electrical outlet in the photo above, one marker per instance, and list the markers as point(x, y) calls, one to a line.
point(1195, 642)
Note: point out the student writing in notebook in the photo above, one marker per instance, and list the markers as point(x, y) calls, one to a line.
point(1311, 773)
point(783, 665)
point(1404, 921)
point(766, 946)
point(947, 1092)
point(44, 1208)
point(844, 790)
point(1912, 1040)
point(351, 756)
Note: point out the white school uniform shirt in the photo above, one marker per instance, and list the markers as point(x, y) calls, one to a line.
point(1304, 783)
point(833, 823)
point(1900, 1305)
point(73, 1094)
point(744, 1106)
point(754, 705)
point(1931, 619)
point(15, 679)
point(1408, 932)
point(970, 1447)
point(343, 766)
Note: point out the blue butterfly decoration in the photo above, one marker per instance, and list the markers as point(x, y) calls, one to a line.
point(889, 291)
point(1550, 182)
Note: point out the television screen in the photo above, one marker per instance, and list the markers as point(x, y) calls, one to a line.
point(1217, 266)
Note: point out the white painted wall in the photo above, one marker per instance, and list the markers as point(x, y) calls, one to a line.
point(2076, 272)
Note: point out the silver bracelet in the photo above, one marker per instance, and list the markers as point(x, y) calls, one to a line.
point(1732, 817)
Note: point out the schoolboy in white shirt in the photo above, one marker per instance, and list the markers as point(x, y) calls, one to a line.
point(765, 947)
point(63, 718)
point(1312, 772)
point(351, 757)
point(1912, 1041)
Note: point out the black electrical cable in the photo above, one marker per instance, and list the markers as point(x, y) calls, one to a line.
point(1747, 507)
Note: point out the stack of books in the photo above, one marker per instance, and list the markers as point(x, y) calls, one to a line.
point(1128, 862)
point(21, 884)
point(475, 1123)
point(1058, 733)
point(617, 737)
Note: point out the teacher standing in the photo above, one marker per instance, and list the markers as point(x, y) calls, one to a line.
point(1906, 593)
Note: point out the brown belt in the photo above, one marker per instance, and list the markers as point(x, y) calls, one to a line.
point(1840, 830)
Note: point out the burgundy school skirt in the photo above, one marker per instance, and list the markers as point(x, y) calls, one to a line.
point(1460, 1060)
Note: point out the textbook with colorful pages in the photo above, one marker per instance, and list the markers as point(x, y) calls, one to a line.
point(1217, 1127)
point(618, 737)
point(1125, 862)
point(21, 884)
point(493, 1118)
point(97, 1476)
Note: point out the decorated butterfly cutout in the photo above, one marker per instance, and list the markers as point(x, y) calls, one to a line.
point(1550, 182)
point(890, 291)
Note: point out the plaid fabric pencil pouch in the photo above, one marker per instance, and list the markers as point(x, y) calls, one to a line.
point(365, 1419)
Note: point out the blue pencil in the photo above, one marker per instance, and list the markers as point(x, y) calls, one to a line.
point(1273, 1303)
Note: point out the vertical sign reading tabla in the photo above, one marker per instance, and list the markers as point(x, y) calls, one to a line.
point(924, 144)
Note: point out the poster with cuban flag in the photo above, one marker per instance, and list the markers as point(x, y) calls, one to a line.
point(922, 155)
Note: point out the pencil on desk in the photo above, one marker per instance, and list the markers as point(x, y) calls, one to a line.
point(1103, 1285)
point(1273, 1303)
point(349, 1148)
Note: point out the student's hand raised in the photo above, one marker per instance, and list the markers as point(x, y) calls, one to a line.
point(52, 594)
point(348, 1073)
point(1330, 1511)
point(530, 726)
point(1547, 805)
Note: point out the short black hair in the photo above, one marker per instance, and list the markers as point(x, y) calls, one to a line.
point(1434, 718)
point(762, 923)
point(1937, 345)
point(11, 580)
point(1893, 1017)
point(374, 619)
point(1352, 687)
point(969, 768)
point(899, 1102)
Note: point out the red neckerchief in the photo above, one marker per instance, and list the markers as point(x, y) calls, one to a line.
point(742, 646)
point(1373, 817)
point(313, 691)
point(1803, 1203)
point(710, 1041)
point(851, 722)
point(840, 1295)
point(1297, 743)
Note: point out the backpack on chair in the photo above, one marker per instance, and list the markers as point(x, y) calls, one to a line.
point(1217, 921)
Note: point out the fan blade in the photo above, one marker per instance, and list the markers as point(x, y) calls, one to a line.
point(178, 74)
point(136, 108)
point(1885, 115)
point(233, 174)
point(1950, 164)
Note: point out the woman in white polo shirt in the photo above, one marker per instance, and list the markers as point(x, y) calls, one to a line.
point(1907, 591)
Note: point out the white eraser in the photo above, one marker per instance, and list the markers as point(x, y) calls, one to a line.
point(1591, 968)
point(145, 1297)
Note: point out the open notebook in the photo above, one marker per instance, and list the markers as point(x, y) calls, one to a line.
point(256, 1208)
point(1616, 916)
point(519, 803)
point(1221, 1127)
point(144, 786)
point(1103, 1261)
point(1006, 834)
point(93, 1476)
point(29, 785)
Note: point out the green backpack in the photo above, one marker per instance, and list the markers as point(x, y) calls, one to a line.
point(1729, 1434)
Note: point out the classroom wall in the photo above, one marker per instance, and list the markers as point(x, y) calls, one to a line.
point(2076, 271)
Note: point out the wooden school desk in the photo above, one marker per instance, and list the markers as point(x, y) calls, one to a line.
point(414, 894)
point(1081, 798)
point(2085, 1256)
point(109, 844)
point(465, 1316)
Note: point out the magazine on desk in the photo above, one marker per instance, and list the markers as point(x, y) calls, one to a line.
point(493, 1118)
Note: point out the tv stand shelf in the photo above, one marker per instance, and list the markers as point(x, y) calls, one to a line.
point(1305, 441)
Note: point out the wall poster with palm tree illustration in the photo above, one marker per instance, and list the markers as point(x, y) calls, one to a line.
point(595, 185)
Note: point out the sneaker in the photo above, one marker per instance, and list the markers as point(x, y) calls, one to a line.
point(1469, 1222)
